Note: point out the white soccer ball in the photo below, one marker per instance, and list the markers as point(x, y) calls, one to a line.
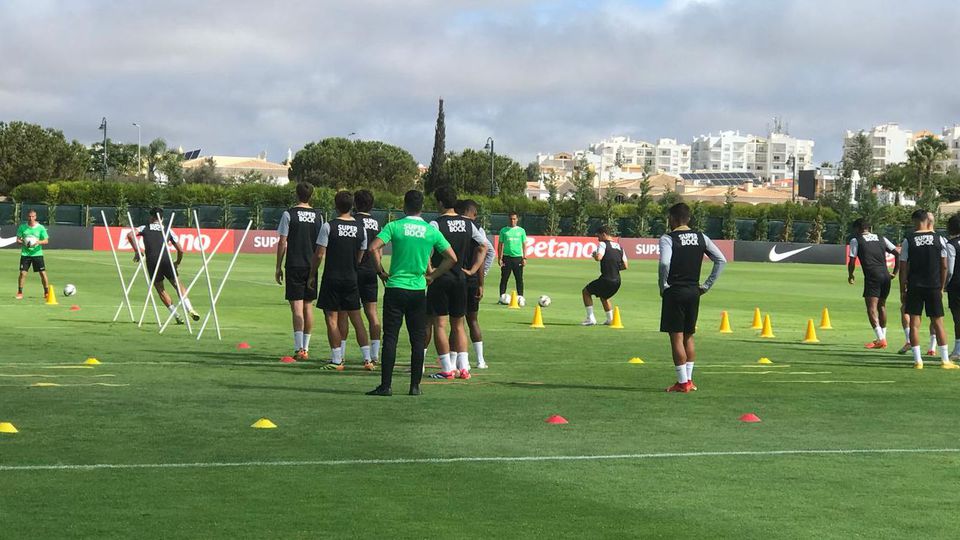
point(521, 301)
point(504, 298)
point(30, 241)
point(544, 301)
point(69, 289)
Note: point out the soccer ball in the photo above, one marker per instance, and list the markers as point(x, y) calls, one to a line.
point(69, 289)
point(544, 301)
point(30, 241)
point(521, 301)
point(504, 298)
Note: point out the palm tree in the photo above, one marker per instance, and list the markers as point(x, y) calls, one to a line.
point(156, 151)
point(924, 158)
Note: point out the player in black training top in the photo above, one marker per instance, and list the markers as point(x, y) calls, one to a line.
point(447, 295)
point(298, 230)
point(871, 249)
point(367, 278)
point(612, 260)
point(468, 209)
point(681, 257)
point(343, 242)
point(953, 280)
point(159, 262)
point(923, 277)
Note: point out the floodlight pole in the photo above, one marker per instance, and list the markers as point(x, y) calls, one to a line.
point(494, 189)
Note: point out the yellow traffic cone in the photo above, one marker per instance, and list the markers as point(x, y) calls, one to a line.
point(725, 323)
point(757, 320)
point(537, 318)
point(92, 361)
point(514, 304)
point(764, 361)
point(825, 320)
point(635, 360)
point(811, 336)
point(7, 427)
point(263, 423)
point(51, 296)
point(767, 327)
point(616, 323)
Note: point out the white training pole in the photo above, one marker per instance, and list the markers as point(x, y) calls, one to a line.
point(123, 282)
point(216, 297)
point(127, 287)
point(206, 271)
point(142, 267)
point(153, 278)
point(181, 294)
point(196, 278)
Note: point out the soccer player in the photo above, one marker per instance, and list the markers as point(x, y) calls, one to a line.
point(298, 230)
point(923, 277)
point(159, 262)
point(612, 260)
point(510, 254)
point(404, 297)
point(871, 250)
point(468, 209)
point(681, 258)
point(342, 241)
point(953, 280)
point(367, 274)
point(447, 295)
point(32, 236)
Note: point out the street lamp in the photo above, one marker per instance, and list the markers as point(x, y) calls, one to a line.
point(792, 164)
point(103, 126)
point(494, 189)
point(139, 162)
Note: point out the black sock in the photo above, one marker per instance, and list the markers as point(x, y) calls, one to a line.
point(19, 290)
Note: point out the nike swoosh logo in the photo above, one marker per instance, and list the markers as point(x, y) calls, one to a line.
point(777, 257)
point(4, 242)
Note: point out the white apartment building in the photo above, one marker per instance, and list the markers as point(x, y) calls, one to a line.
point(620, 158)
point(951, 136)
point(672, 157)
point(730, 151)
point(890, 144)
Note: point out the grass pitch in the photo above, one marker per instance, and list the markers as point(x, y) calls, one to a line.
point(166, 419)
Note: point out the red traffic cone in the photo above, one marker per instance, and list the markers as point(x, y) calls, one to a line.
point(287, 360)
point(750, 418)
point(243, 345)
point(74, 308)
point(557, 419)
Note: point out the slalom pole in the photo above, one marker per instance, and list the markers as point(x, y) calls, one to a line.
point(216, 297)
point(206, 271)
point(196, 278)
point(123, 282)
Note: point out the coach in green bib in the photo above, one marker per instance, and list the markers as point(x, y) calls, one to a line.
point(404, 297)
point(510, 254)
point(32, 236)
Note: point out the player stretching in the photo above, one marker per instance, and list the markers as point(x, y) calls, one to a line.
point(468, 209)
point(612, 259)
point(367, 273)
point(159, 262)
point(343, 242)
point(403, 296)
point(447, 295)
point(681, 257)
point(32, 236)
point(871, 249)
point(923, 276)
point(298, 230)
point(510, 254)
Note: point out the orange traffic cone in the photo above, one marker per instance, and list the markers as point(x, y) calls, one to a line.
point(757, 320)
point(825, 320)
point(811, 335)
point(767, 327)
point(725, 323)
point(537, 318)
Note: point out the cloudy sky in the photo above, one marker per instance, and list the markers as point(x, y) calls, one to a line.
point(237, 77)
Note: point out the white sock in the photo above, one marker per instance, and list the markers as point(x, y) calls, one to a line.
point(883, 333)
point(463, 361)
point(426, 354)
point(478, 348)
point(375, 349)
point(917, 359)
point(590, 312)
point(172, 308)
point(306, 341)
point(335, 355)
point(609, 315)
point(689, 370)
point(446, 365)
point(906, 333)
point(343, 349)
point(187, 304)
point(681, 374)
point(297, 341)
point(944, 353)
point(365, 351)
point(933, 342)
point(878, 331)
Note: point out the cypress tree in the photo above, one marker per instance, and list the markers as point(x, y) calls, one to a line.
point(434, 176)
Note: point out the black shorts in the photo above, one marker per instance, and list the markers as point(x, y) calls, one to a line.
point(339, 295)
point(369, 285)
point(447, 296)
point(36, 262)
point(920, 299)
point(604, 288)
point(165, 271)
point(297, 285)
point(473, 303)
point(953, 301)
point(876, 287)
point(679, 310)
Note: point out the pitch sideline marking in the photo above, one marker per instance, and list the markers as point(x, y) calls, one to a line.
point(491, 459)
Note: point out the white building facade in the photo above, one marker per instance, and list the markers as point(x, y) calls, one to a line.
point(890, 144)
point(951, 136)
point(730, 151)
